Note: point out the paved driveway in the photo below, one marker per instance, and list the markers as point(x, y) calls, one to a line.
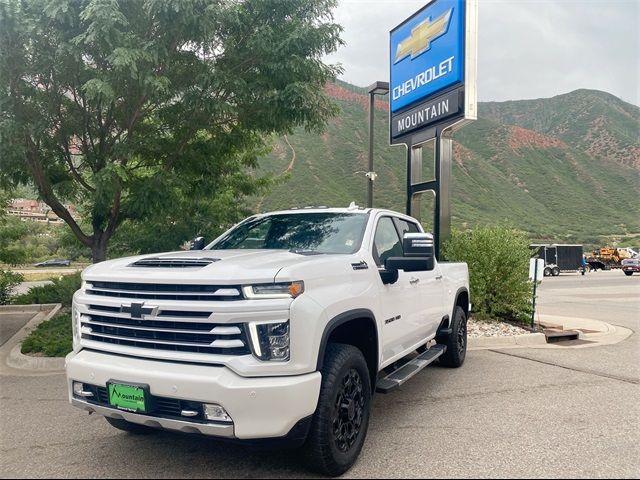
point(510, 413)
point(11, 323)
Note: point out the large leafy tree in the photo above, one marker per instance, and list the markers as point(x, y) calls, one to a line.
point(131, 108)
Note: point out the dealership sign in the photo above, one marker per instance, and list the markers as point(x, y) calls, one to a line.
point(433, 69)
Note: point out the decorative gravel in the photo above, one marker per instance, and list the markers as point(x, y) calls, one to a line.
point(477, 329)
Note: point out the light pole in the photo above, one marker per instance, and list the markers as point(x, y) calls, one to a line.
point(377, 88)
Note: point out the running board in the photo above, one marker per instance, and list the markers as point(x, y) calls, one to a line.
point(408, 370)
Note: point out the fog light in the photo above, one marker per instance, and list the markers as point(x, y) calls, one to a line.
point(79, 391)
point(216, 413)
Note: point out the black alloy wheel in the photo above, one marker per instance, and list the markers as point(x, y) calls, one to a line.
point(462, 338)
point(349, 411)
point(456, 342)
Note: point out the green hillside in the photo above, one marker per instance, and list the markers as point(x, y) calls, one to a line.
point(595, 122)
point(526, 163)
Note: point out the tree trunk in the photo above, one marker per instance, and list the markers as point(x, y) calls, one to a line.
point(99, 247)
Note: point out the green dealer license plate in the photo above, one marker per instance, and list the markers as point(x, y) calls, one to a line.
point(127, 397)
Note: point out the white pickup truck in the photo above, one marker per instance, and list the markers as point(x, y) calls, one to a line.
point(281, 329)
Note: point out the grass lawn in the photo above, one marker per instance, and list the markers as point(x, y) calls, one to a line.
point(40, 276)
point(52, 338)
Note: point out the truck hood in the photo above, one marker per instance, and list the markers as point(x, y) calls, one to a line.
point(221, 267)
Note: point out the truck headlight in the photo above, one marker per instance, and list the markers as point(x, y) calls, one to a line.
point(271, 341)
point(274, 290)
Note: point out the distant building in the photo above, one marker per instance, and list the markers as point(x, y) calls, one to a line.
point(37, 211)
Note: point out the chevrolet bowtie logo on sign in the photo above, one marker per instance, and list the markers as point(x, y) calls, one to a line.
point(421, 37)
point(138, 311)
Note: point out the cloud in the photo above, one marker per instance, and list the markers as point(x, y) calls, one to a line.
point(526, 48)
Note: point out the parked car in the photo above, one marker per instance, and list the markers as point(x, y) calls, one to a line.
point(281, 329)
point(54, 263)
point(631, 266)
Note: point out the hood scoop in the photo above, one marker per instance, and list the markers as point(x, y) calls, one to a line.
point(174, 262)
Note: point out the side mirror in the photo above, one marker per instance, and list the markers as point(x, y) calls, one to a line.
point(198, 243)
point(415, 264)
point(418, 254)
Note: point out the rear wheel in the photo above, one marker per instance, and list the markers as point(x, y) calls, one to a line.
point(555, 271)
point(341, 420)
point(456, 342)
point(547, 271)
point(129, 427)
point(628, 274)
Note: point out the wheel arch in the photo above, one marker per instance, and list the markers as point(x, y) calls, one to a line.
point(462, 300)
point(357, 328)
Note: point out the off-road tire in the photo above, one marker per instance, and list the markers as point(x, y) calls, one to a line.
point(456, 342)
point(324, 450)
point(129, 427)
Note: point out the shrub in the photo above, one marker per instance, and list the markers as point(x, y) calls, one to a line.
point(8, 281)
point(60, 291)
point(498, 259)
point(52, 338)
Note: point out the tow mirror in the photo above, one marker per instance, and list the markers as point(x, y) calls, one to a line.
point(418, 254)
point(198, 243)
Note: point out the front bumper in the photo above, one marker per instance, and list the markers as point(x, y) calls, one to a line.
point(631, 268)
point(266, 407)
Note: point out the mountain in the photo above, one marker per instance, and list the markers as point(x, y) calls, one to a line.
point(564, 169)
point(595, 122)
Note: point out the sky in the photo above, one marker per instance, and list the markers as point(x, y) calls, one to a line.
point(526, 48)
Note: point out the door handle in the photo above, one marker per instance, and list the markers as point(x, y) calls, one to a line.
point(439, 277)
point(414, 281)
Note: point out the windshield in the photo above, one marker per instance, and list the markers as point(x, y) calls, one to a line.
point(305, 232)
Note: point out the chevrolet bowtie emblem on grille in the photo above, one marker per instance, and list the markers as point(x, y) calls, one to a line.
point(138, 311)
point(422, 35)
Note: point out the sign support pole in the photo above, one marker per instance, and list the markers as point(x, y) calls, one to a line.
point(370, 174)
point(441, 186)
point(535, 287)
point(443, 199)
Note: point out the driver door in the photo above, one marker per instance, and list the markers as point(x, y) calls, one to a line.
point(397, 300)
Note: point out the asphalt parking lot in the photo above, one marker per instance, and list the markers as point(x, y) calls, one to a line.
point(555, 412)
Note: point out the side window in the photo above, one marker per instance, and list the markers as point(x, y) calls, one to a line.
point(386, 242)
point(406, 227)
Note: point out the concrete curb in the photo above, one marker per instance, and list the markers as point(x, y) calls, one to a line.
point(20, 361)
point(27, 308)
point(10, 354)
point(598, 334)
point(526, 340)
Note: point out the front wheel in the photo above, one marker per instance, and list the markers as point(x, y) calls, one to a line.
point(628, 274)
point(456, 342)
point(340, 423)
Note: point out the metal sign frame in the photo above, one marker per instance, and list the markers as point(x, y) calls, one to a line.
point(441, 131)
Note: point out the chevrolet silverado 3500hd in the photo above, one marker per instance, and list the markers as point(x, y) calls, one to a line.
point(282, 328)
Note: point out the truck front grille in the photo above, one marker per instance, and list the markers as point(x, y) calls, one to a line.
point(154, 291)
point(165, 330)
